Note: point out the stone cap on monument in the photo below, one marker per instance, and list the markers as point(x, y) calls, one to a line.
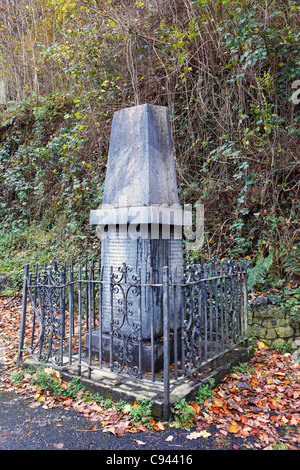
point(140, 162)
point(140, 169)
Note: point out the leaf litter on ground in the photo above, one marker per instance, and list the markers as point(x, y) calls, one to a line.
point(262, 399)
point(259, 401)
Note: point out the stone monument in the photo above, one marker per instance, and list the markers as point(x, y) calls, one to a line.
point(140, 221)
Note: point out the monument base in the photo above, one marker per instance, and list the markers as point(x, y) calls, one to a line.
point(123, 351)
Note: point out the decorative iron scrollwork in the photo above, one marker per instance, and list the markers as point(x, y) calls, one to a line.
point(50, 315)
point(209, 312)
point(126, 323)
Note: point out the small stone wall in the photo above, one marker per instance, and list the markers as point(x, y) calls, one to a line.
point(269, 324)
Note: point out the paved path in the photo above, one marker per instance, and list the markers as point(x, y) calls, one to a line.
point(26, 428)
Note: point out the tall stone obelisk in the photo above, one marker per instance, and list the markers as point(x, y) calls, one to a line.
point(140, 217)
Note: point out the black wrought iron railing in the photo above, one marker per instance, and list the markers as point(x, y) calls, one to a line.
point(132, 322)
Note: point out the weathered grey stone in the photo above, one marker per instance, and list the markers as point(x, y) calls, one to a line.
point(141, 221)
point(279, 343)
point(258, 331)
point(296, 343)
point(143, 254)
point(285, 331)
point(262, 300)
point(118, 347)
point(282, 322)
point(269, 323)
point(271, 333)
point(274, 312)
point(140, 172)
point(141, 165)
point(265, 311)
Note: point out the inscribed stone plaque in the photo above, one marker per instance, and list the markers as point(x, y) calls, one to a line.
point(143, 254)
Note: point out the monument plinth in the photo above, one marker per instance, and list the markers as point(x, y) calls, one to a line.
point(140, 219)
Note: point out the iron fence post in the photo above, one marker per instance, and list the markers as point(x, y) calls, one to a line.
point(89, 313)
point(100, 311)
point(34, 301)
point(71, 312)
point(62, 317)
point(79, 319)
point(166, 331)
point(139, 282)
point(23, 316)
point(152, 322)
point(111, 280)
point(245, 312)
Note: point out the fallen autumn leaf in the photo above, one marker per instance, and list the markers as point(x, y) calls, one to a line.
point(196, 435)
point(140, 443)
